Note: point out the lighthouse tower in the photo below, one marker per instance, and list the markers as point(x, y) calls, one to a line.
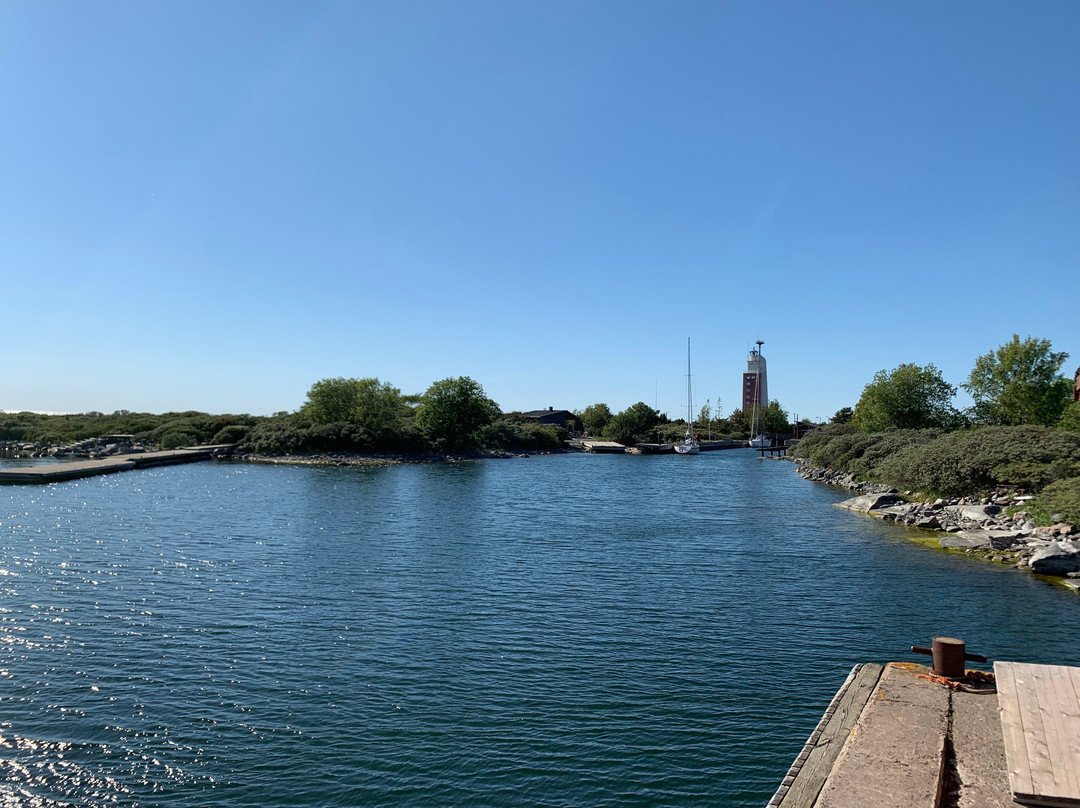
point(755, 380)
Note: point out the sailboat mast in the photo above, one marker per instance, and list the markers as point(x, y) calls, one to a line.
point(689, 400)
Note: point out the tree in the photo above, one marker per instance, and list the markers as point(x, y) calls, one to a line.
point(633, 424)
point(454, 411)
point(842, 416)
point(368, 402)
point(907, 397)
point(594, 418)
point(1019, 384)
point(774, 419)
point(1070, 418)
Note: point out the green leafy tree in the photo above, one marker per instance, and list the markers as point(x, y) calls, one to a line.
point(1019, 383)
point(454, 411)
point(369, 403)
point(842, 416)
point(1070, 418)
point(633, 424)
point(774, 419)
point(907, 397)
point(595, 417)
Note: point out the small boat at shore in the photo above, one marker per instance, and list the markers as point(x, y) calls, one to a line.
point(689, 443)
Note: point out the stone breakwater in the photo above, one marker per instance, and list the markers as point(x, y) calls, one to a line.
point(978, 526)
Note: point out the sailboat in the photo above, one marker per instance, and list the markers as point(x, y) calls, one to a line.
point(758, 439)
point(689, 444)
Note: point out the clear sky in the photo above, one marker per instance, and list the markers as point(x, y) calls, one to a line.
point(211, 205)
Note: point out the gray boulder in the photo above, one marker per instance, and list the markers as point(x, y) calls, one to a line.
point(868, 502)
point(1057, 558)
point(976, 513)
point(966, 540)
point(998, 539)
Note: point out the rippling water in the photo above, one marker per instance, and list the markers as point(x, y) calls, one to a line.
point(572, 630)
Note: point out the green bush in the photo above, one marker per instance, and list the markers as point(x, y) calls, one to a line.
point(962, 463)
point(276, 436)
point(233, 433)
point(180, 436)
point(814, 447)
point(515, 434)
point(886, 445)
point(1062, 498)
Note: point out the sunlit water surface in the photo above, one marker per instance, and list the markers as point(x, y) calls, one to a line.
point(571, 630)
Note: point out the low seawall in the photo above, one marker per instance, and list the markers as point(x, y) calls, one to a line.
point(59, 472)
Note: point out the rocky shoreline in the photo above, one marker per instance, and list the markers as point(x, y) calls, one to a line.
point(994, 526)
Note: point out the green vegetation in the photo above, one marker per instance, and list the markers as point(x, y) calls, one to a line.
point(907, 397)
point(158, 430)
point(633, 425)
point(1059, 501)
point(961, 463)
point(842, 416)
point(453, 411)
point(368, 403)
point(595, 418)
point(1070, 418)
point(1019, 383)
point(1022, 432)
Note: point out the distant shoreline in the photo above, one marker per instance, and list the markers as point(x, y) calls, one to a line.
point(369, 460)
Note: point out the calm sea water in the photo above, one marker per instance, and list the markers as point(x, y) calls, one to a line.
point(571, 630)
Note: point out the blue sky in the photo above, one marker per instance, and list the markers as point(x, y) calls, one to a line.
point(213, 205)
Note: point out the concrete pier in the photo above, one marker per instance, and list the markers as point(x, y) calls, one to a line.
point(896, 736)
point(58, 472)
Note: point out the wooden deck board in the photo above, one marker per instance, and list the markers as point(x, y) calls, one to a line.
point(812, 767)
point(1040, 722)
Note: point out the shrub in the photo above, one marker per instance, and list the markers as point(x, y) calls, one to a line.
point(280, 435)
point(814, 447)
point(180, 436)
point(1062, 498)
point(234, 433)
point(961, 463)
point(887, 444)
point(522, 435)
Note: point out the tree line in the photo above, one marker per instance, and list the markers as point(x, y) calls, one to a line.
point(640, 423)
point(1018, 383)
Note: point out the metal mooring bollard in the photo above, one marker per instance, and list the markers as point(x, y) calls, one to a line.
point(948, 655)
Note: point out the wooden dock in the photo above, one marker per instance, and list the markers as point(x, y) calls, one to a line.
point(59, 472)
point(897, 736)
point(1040, 719)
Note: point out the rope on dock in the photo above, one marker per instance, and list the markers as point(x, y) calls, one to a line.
point(811, 742)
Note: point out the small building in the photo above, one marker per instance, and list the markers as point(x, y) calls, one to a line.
point(801, 428)
point(551, 416)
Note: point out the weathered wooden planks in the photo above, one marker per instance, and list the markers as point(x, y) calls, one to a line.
point(895, 755)
point(811, 768)
point(1040, 724)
